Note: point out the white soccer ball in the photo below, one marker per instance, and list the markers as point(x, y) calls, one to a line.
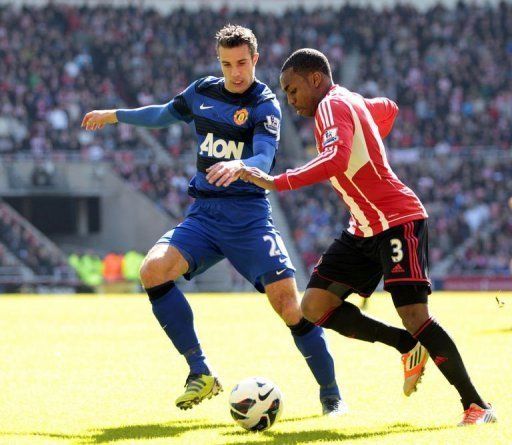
point(255, 403)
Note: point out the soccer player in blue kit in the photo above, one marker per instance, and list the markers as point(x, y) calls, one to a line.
point(237, 122)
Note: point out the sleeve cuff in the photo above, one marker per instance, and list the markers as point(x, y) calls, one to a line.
point(282, 182)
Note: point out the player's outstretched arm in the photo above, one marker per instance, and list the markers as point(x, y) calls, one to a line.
point(97, 119)
point(258, 177)
point(152, 116)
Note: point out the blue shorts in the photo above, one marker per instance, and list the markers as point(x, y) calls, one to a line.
point(240, 230)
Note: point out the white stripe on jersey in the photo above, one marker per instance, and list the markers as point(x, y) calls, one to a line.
point(329, 111)
point(317, 125)
point(323, 115)
point(359, 157)
point(382, 218)
point(355, 210)
point(382, 149)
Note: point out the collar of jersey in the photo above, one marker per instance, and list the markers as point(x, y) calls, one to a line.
point(245, 94)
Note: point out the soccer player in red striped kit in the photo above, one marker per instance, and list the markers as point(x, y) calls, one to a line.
point(387, 234)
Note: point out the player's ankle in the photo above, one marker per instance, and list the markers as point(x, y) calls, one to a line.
point(477, 401)
point(330, 390)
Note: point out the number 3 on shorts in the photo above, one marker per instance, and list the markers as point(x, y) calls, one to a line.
point(398, 253)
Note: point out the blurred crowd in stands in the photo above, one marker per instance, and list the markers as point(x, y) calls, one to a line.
point(6, 260)
point(94, 270)
point(22, 246)
point(467, 197)
point(30, 248)
point(166, 185)
point(450, 71)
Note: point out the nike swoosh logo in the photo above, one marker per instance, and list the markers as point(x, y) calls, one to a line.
point(283, 260)
point(279, 272)
point(264, 396)
point(203, 107)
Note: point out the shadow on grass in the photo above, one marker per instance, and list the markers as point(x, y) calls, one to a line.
point(152, 431)
point(130, 432)
point(324, 435)
point(295, 419)
point(176, 429)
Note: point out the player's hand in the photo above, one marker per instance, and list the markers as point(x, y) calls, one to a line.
point(97, 119)
point(224, 173)
point(258, 177)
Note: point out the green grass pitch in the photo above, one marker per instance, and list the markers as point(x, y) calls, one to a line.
point(99, 369)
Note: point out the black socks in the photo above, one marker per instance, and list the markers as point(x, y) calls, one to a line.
point(446, 356)
point(349, 321)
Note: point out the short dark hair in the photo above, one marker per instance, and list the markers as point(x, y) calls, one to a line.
point(307, 60)
point(232, 36)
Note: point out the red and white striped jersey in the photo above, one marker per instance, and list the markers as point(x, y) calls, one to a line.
point(349, 130)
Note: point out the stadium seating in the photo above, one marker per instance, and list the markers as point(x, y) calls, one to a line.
point(30, 249)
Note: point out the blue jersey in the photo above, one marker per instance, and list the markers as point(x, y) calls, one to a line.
point(228, 126)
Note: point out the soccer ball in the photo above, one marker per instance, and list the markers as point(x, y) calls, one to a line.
point(255, 403)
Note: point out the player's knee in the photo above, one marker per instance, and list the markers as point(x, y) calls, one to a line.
point(286, 306)
point(413, 316)
point(283, 296)
point(309, 309)
point(289, 310)
point(411, 303)
point(411, 323)
point(155, 271)
point(146, 271)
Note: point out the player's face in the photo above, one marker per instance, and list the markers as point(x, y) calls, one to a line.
point(238, 67)
point(301, 91)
